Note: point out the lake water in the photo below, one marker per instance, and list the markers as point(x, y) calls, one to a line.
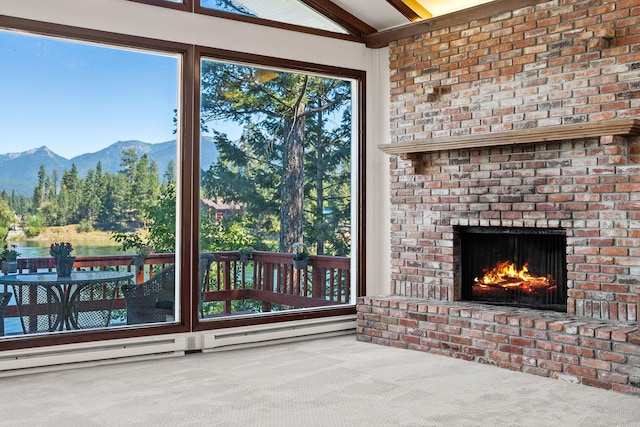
point(29, 249)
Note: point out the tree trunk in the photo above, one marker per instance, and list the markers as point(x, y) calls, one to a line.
point(319, 220)
point(291, 210)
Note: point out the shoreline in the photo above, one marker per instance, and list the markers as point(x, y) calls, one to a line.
point(67, 233)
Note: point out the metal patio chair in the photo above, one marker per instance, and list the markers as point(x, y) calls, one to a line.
point(151, 301)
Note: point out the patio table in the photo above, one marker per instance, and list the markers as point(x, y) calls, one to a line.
point(47, 302)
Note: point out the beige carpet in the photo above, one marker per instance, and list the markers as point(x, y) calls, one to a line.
point(325, 382)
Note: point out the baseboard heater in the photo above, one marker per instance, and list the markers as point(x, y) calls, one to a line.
point(41, 359)
point(32, 360)
point(260, 335)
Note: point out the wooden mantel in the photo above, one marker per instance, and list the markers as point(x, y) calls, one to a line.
point(618, 127)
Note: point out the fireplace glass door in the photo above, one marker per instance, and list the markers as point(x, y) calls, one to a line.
point(522, 267)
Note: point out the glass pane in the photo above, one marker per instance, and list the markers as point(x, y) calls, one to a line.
point(276, 186)
point(88, 153)
point(286, 11)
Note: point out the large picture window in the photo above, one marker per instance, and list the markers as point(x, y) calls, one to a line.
point(276, 188)
point(88, 153)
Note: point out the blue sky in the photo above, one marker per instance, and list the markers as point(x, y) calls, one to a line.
point(78, 98)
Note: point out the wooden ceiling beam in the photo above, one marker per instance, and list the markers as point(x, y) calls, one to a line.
point(407, 11)
point(341, 17)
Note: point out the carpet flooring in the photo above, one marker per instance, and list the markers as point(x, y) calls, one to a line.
point(334, 381)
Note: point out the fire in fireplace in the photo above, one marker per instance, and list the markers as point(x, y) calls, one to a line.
point(505, 277)
point(523, 267)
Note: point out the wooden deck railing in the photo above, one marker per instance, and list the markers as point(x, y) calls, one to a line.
point(269, 278)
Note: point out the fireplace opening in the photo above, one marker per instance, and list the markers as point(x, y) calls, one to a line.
point(522, 267)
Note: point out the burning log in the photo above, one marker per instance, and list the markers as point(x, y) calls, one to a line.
point(506, 276)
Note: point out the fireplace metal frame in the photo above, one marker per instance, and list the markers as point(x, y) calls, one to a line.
point(551, 242)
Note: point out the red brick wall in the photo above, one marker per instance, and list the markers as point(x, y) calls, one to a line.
point(559, 62)
point(556, 63)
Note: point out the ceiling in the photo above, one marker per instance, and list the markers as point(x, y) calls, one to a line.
point(379, 14)
point(382, 15)
point(355, 17)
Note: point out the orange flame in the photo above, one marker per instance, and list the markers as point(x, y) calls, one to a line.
point(506, 275)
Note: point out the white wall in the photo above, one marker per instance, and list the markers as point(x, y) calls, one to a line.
point(121, 16)
point(378, 239)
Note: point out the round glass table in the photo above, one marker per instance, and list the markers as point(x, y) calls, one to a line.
point(47, 302)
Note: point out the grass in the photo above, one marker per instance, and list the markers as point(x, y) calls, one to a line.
point(69, 233)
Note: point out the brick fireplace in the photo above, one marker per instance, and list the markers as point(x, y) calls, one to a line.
point(575, 185)
point(526, 120)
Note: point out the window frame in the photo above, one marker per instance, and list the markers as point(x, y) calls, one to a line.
point(185, 85)
point(357, 30)
point(358, 184)
point(186, 5)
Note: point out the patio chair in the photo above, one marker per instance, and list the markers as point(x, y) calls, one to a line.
point(4, 300)
point(151, 301)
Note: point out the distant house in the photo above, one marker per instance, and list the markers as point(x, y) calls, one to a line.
point(218, 209)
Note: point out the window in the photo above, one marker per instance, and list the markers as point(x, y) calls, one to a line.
point(276, 181)
point(88, 155)
point(290, 12)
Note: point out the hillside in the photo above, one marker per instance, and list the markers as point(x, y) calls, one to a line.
point(19, 171)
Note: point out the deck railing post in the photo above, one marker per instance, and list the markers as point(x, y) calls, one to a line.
point(317, 282)
point(226, 283)
point(267, 278)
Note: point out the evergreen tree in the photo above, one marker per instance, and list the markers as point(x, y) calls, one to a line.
point(128, 165)
point(90, 203)
point(38, 191)
point(100, 197)
point(170, 173)
point(53, 187)
point(265, 170)
point(69, 197)
point(113, 207)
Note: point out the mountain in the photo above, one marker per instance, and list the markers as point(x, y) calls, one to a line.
point(19, 171)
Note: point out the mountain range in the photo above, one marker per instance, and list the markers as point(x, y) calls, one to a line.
point(19, 171)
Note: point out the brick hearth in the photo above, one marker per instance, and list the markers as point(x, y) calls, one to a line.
point(495, 122)
point(601, 353)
